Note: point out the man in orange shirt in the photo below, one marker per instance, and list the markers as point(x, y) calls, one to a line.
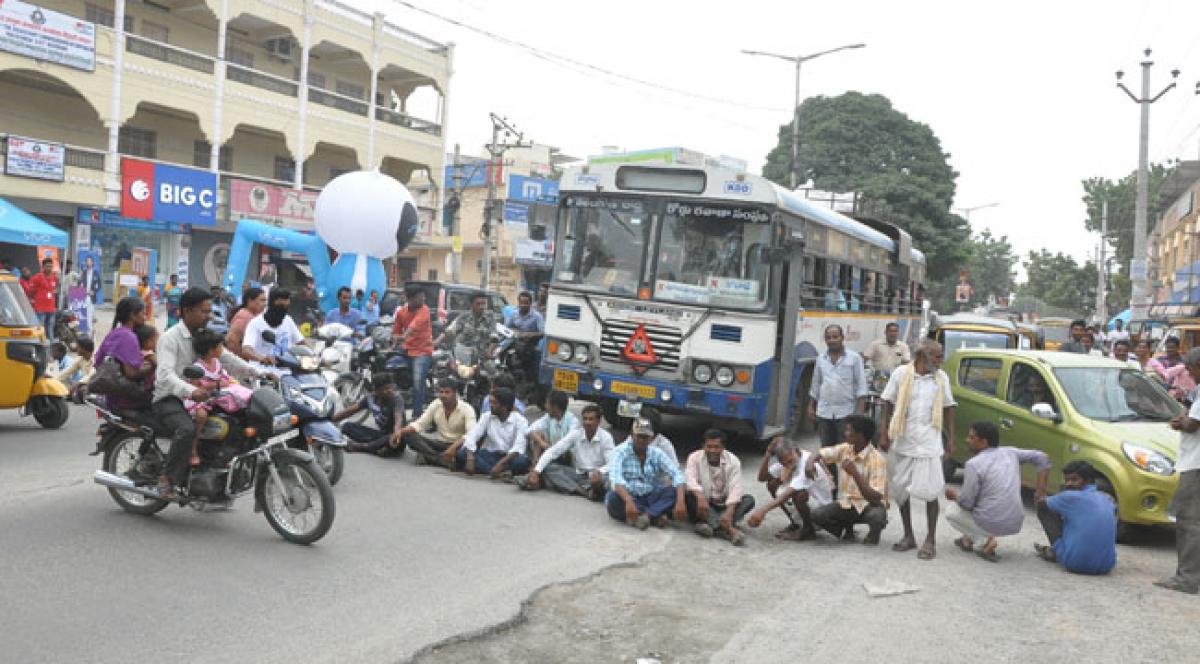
point(43, 295)
point(414, 330)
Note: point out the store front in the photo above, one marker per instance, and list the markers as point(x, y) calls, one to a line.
point(161, 247)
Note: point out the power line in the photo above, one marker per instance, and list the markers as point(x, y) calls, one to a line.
point(563, 60)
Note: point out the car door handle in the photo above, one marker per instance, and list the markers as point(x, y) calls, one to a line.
point(1006, 423)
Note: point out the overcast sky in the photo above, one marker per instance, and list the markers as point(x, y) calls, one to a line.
point(1021, 94)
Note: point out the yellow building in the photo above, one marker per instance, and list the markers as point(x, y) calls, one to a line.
point(279, 94)
point(1174, 247)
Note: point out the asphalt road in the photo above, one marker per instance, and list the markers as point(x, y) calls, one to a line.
point(426, 565)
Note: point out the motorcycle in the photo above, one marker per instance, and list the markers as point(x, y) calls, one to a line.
point(374, 354)
point(313, 403)
point(476, 372)
point(66, 328)
point(239, 453)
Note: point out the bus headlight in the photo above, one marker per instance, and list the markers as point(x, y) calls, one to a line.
point(724, 376)
point(583, 354)
point(701, 372)
point(565, 352)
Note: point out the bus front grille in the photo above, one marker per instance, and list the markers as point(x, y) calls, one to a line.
point(666, 342)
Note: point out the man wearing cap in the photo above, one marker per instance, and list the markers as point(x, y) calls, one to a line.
point(637, 472)
point(659, 441)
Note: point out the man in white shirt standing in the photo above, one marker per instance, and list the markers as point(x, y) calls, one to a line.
point(503, 433)
point(591, 449)
point(1186, 503)
point(276, 319)
point(918, 427)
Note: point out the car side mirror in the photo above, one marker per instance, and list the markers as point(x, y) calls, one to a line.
point(1045, 411)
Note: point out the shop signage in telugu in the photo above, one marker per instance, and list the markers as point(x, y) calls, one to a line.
point(47, 35)
point(34, 159)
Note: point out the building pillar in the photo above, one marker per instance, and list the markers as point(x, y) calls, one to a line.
point(112, 166)
point(214, 161)
point(310, 11)
point(376, 45)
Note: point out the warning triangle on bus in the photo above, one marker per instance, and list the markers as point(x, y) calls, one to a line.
point(639, 349)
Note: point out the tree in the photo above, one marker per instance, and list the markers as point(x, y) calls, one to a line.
point(991, 265)
point(860, 143)
point(1060, 283)
point(1122, 197)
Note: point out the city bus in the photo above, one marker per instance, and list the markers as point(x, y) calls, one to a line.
point(704, 291)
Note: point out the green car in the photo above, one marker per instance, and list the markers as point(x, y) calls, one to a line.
point(1074, 406)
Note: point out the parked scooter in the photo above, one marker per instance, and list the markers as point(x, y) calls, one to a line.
point(311, 400)
point(372, 355)
point(239, 453)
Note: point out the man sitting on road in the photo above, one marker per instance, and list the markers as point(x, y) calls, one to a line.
point(637, 473)
point(591, 449)
point(1080, 522)
point(989, 503)
point(387, 408)
point(451, 418)
point(715, 502)
point(657, 440)
point(808, 487)
point(503, 433)
point(862, 484)
point(553, 426)
point(778, 463)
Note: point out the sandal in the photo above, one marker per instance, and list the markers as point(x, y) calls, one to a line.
point(1177, 584)
point(166, 490)
point(962, 544)
point(1045, 552)
point(987, 555)
point(195, 460)
point(905, 544)
point(927, 552)
point(790, 528)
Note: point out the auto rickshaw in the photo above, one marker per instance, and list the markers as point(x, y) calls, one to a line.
point(958, 331)
point(23, 359)
point(1032, 337)
point(1056, 331)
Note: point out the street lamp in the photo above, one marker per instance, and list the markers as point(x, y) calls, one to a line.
point(799, 60)
point(968, 210)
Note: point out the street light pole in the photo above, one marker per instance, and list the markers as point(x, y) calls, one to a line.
point(1137, 268)
point(799, 60)
point(968, 210)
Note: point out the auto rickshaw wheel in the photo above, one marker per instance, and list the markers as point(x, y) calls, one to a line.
point(50, 412)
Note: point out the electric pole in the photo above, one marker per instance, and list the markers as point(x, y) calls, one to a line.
point(496, 151)
point(1102, 269)
point(1137, 267)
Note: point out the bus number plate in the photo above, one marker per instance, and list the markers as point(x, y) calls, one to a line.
point(567, 381)
point(633, 389)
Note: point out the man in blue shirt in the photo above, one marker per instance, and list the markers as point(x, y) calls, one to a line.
point(344, 313)
point(1080, 522)
point(638, 497)
point(528, 327)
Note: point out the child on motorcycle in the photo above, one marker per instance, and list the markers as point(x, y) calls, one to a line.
point(233, 397)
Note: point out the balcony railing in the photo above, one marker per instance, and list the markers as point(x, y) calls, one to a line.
point(336, 100)
point(262, 80)
point(169, 54)
point(408, 121)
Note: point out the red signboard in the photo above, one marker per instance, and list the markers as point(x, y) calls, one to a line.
point(137, 189)
point(268, 202)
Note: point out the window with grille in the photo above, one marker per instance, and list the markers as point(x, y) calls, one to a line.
point(285, 169)
point(155, 32)
point(137, 142)
point(103, 16)
point(239, 56)
point(349, 89)
point(202, 155)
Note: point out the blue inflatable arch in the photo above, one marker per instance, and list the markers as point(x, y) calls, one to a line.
point(250, 233)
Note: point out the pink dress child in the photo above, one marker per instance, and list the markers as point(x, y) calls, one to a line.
point(234, 396)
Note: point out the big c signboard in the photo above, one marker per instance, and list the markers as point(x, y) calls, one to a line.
point(168, 194)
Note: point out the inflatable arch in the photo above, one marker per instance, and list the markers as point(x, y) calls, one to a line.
point(250, 233)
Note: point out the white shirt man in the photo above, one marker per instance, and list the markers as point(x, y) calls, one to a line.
point(286, 336)
point(591, 450)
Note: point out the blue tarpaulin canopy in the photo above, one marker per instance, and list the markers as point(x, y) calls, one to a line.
point(19, 227)
point(1123, 317)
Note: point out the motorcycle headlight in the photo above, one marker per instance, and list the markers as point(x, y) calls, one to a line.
point(330, 357)
point(565, 351)
point(309, 363)
point(724, 376)
point(582, 354)
point(465, 371)
point(1148, 460)
point(701, 372)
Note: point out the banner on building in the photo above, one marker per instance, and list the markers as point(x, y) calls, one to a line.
point(47, 35)
point(272, 203)
point(34, 159)
point(112, 219)
point(534, 253)
point(183, 245)
point(515, 213)
point(532, 190)
point(77, 302)
point(470, 172)
point(165, 193)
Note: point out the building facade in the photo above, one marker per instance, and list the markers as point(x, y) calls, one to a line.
point(273, 98)
point(1174, 247)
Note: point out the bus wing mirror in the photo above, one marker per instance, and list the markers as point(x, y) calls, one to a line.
point(537, 232)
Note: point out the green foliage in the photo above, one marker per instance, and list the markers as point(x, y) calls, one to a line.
point(1121, 196)
point(991, 264)
point(1057, 281)
point(860, 143)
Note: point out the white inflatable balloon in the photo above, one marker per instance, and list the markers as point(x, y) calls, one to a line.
point(366, 213)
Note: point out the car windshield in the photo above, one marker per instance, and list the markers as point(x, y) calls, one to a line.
point(1116, 394)
point(14, 306)
point(713, 255)
point(953, 340)
point(603, 244)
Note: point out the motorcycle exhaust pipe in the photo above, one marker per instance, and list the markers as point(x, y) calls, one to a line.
point(123, 483)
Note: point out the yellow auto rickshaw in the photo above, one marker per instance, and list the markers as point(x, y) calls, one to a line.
point(959, 331)
point(23, 358)
point(1032, 337)
point(1056, 331)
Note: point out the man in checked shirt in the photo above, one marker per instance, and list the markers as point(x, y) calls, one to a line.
point(638, 497)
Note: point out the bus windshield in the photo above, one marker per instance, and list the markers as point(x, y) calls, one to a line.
point(603, 244)
point(713, 255)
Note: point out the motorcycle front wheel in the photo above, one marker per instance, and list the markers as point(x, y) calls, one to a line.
point(299, 506)
point(121, 458)
point(331, 459)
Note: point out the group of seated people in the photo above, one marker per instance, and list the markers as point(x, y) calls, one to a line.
point(642, 482)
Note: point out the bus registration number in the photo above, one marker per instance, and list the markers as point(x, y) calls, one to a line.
point(633, 389)
point(567, 381)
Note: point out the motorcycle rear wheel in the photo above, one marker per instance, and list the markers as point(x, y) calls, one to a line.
point(331, 459)
point(120, 457)
point(301, 510)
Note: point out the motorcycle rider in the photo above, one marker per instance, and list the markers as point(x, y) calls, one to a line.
point(277, 320)
point(473, 329)
point(528, 328)
point(176, 352)
point(889, 352)
point(414, 329)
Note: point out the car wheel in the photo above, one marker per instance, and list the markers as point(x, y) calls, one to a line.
point(1126, 532)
